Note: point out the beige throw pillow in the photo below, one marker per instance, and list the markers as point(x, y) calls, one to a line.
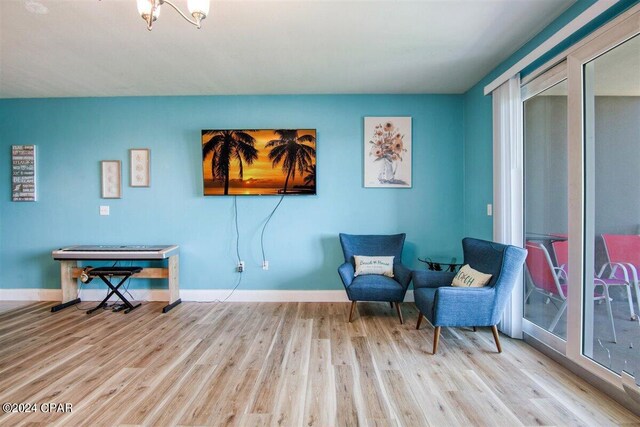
point(467, 277)
point(374, 265)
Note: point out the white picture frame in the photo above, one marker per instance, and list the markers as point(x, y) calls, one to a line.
point(139, 172)
point(111, 179)
point(387, 152)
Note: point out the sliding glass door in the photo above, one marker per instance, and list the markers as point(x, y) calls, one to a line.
point(582, 203)
point(612, 207)
point(545, 206)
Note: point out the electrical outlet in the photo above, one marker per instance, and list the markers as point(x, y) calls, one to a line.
point(489, 209)
point(240, 266)
point(265, 265)
point(104, 210)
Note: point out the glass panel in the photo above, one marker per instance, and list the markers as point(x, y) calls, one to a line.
point(545, 207)
point(611, 334)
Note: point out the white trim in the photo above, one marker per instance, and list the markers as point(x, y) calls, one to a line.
point(508, 188)
point(544, 336)
point(39, 294)
point(577, 23)
point(201, 295)
point(550, 78)
point(30, 294)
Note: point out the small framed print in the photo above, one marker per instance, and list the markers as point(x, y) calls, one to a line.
point(111, 179)
point(387, 152)
point(139, 175)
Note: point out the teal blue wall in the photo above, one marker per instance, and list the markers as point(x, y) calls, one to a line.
point(478, 126)
point(73, 135)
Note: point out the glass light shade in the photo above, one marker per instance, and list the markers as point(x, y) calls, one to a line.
point(145, 6)
point(198, 6)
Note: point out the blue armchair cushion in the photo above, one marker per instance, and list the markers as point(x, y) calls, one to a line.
point(375, 287)
point(431, 279)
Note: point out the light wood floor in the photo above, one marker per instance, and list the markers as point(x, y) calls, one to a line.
point(279, 364)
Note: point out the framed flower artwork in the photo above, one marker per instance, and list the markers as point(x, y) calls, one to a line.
point(111, 184)
point(139, 159)
point(387, 152)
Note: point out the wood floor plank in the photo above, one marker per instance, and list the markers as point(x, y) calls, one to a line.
point(289, 410)
point(320, 397)
point(405, 407)
point(281, 364)
point(85, 409)
point(367, 380)
point(255, 420)
point(229, 411)
point(265, 396)
point(347, 413)
point(341, 350)
point(16, 309)
point(176, 405)
point(579, 401)
point(552, 412)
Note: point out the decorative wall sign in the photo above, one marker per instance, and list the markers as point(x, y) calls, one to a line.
point(23, 173)
point(111, 179)
point(139, 175)
point(387, 152)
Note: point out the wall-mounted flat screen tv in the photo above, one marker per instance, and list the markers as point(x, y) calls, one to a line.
point(258, 162)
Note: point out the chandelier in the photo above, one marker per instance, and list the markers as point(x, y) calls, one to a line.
point(150, 10)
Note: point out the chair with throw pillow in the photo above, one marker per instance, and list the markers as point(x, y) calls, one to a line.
point(457, 306)
point(374, 284)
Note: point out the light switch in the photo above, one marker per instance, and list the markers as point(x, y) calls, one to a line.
point(104, 210)
point(489, 209)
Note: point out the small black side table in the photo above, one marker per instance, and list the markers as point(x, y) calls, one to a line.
point(441, 264)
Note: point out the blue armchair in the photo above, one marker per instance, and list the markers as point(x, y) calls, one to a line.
point(445, 305)
point(374, 287)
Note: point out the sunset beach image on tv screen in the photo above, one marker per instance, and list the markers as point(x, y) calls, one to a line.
point(259, 162)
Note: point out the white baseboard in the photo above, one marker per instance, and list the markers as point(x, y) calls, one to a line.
point(201, 295)
point(85, 294)
point(263, 295)
point(30, 294)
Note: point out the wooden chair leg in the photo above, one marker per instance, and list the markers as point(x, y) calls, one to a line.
point(399, 313)
point(353, 307)
point(475, 329)
point(420, 317)
point(436, 338)
point(496, 338)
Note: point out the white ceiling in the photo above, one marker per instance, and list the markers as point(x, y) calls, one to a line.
point(102, 48)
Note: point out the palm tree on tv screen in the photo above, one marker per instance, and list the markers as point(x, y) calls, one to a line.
point(226, 146)
point(310, 175)
point(290, 150)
